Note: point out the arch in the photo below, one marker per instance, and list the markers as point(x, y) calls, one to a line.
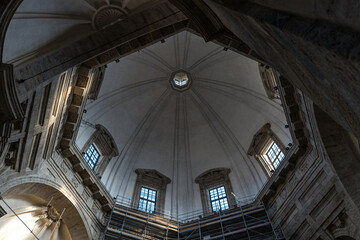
point(310, 63)
point(7, 11)
point(211, 23)
point(342, 149)
point(61, 199)
point(41, 217)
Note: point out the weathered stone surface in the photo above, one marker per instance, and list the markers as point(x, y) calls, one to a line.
point(320, 58)
point(137, 25)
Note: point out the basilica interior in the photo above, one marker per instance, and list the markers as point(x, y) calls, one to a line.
point(169, 119)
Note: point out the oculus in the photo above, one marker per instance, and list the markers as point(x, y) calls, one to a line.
point(180, 80)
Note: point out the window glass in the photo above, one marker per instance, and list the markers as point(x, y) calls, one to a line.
point(181, 79)
point(92, 156)
point(275, 155)
point(218, 199)
point(147, 200)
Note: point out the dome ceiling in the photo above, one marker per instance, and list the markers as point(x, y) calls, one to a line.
point(37, 28)
point(182, 134)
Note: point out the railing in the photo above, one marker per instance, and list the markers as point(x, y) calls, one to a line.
point(184, 217)
point(247, 217)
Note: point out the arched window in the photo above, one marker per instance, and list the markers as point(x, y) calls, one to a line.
point(99, 149)
point(267, 148)
point(216, 190)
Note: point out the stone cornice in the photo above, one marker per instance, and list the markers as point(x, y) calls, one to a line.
point(130, 33)
point(67, 146)
point(204, 20)
point(300, 136)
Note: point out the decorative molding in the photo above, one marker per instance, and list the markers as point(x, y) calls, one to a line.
point(268, 77)
point(12, 113)
point(107, 15)
point(302, 146)
point(342, 227)
point(152, 179)
point(211, 179)
point(106, 45)
point(184, 87)
point(260, 143)
point(43, 104)
point(97, 76)
point(105, 144)
point(72, 118)
point(203, 18)
point(261, 140)
point(34, 150)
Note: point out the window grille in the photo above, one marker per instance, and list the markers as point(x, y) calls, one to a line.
point(147, 200)
point(92, 156)
point(218, 199)
point(275, 155)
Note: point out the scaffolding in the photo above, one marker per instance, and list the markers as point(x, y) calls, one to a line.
point(244, 221)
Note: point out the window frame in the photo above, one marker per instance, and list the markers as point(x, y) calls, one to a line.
point(148, 200)
point(105, 145)
point(89, 156)
point(218, 199)
point(261, 143)
point(276, 155)
point(214, 178)
point(154, 180)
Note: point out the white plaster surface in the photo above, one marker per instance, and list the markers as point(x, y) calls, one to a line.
point(183, 134)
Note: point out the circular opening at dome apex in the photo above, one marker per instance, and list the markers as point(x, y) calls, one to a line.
point(180, 80)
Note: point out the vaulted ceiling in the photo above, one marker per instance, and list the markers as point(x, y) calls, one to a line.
point(37, 28)
point(183, 134)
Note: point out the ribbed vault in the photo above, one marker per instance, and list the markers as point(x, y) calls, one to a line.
point(37, 28)
point(183, 134)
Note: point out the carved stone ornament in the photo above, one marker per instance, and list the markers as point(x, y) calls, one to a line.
point(107, 15)
point(268, 76)
point(214, 178)
point(342, 227)
point(260, 140)
point(152, 179)
point(106, 146)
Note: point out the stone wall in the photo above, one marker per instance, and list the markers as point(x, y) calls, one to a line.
point(310, 201)
point(37, 159)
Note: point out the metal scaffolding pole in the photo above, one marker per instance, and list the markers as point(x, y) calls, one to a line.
point(272, 226)
point(244, 221)
point(222, 228)
point(167, 229)
point(147, 221)
point(178, 232)
point(199, 229)
point(243, 217)
point(123, 223)
point(1, 198)
point(108, 223)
